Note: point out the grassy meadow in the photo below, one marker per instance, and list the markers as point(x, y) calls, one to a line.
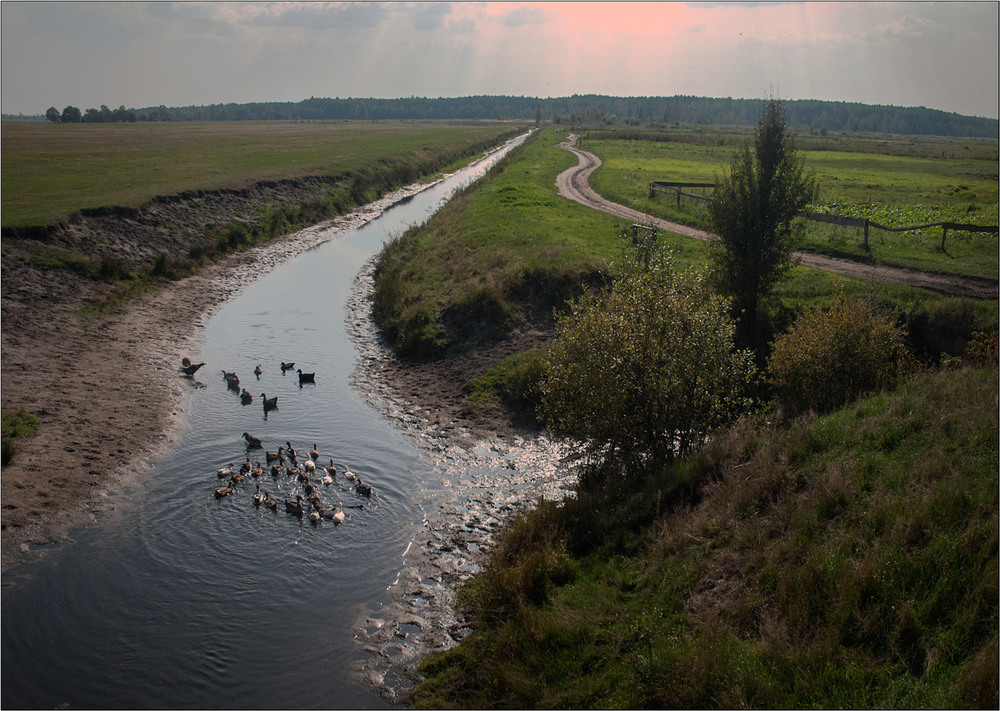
point(844, 560)
point(897, 183)
point(52, 170)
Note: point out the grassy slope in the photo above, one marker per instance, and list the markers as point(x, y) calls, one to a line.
point(849, 561)
point(51, 170)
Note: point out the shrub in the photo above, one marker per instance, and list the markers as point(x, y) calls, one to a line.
point(643, 372)
point(828, 358)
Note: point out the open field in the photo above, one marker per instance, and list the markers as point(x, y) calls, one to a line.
point(897, 184)
point(52, 170)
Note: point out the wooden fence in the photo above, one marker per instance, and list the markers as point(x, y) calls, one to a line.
point(663, 186)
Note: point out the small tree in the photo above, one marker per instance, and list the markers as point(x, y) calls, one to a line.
point(53, 114)
point(643, 372)
point(752, 214)
point(71, 114)
point(828, 358)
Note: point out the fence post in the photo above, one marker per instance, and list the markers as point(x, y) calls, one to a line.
point(678, 198)
point(866, 236)
point(944, 233)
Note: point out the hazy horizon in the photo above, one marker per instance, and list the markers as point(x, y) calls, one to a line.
point(938, 55)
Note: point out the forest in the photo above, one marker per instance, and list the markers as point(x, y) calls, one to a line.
point(806, 114)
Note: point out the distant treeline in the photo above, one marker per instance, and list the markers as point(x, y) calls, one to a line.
point(806, 114)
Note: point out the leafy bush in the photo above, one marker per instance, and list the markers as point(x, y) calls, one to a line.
point(828, 358)
point(643, 372)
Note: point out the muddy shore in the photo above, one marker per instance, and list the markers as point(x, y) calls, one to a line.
point(107, 389)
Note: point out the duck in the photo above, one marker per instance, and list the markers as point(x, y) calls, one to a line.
point(331, 513)
point(314, 452)
point(245, 397)
point(309, 489)
point(348, 474)
point(245, 467)
point(269, 502)
point(363, 489)
point(277, 469)
point(331, 470)
point(286, 367)
point(189, 368)
point(269, 404)
point(257, 470)
point(291, 452)
point(232, 381)
point(306, 377)
point(301, 473)
point(295, 507)
point(253, 442)
point(293, 471)
point(223, 491)
point(225, 471)
point(258, 371)
point(272, 456)
point(309, 466)
point(315, 501)
point(237, 478)
point(314, 516)
point(258, 498)
point(327, 479)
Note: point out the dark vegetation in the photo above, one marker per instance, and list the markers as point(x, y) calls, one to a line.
point(638, 112)
point(820, 533)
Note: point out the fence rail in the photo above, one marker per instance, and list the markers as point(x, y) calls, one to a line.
point(664, 186)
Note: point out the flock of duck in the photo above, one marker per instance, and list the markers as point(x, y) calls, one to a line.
point(283, 463)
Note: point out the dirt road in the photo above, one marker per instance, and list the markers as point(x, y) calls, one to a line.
point(573, 184)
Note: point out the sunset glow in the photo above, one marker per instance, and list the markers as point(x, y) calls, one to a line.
point(941, 55)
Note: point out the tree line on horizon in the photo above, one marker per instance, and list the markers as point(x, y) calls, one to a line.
point(805, 114)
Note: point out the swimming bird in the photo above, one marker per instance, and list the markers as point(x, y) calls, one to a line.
point(363, 489)
point(331, 513)
point(225, 471)
point(295, 507)
point(269, 502)
point(189, 368)
point(306, 377)
point(245, 397)
point(272, 456)
point(277, 469)
point(269, 404)
point(223, 491)
point(327, 479)
point(292, 471)
point(258, 498)
point(245, 466)
point(253, 442)
point(257, 470)
point(258, 371)
point(232, 381)
point(237, 478)
point(314, 516)
point(331, 470)
point(314, 452)
point(309, 466)
point(286, 366)
point(348, 474)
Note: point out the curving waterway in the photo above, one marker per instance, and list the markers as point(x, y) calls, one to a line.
point(177, 599)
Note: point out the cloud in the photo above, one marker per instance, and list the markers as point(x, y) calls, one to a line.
point(522, 16)
point(320, 16)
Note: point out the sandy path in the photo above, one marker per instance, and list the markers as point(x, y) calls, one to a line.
point(573, 184)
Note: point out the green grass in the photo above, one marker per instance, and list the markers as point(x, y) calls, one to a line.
point(15, 425)
point(846, 561)
point(52, 170)
point(900, 188)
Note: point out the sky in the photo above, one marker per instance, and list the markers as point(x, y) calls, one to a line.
point(939, 55)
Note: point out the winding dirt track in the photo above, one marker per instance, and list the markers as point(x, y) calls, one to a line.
point(573, 184)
